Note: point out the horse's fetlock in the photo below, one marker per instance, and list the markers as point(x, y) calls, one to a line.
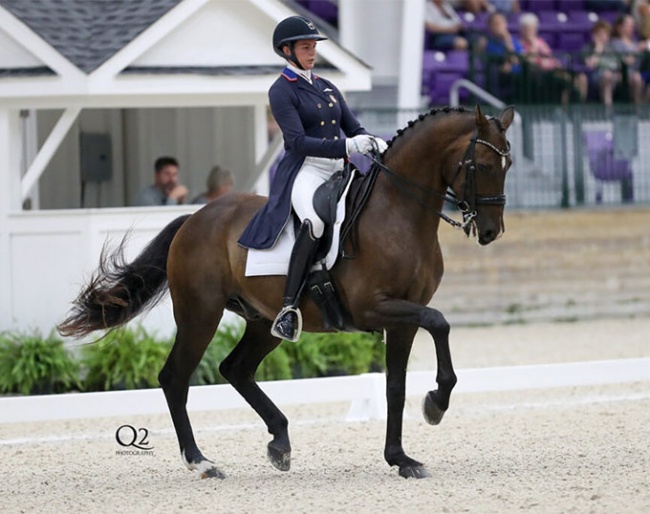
point(448, 382)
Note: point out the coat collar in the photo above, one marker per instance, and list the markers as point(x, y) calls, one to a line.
point(292, 76)
point(319, 88)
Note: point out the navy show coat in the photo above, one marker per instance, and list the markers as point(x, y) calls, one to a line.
point(312, 118)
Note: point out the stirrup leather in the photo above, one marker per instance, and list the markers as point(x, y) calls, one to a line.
point(276, 328)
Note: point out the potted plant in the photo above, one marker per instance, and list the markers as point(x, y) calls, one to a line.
point(31, 364)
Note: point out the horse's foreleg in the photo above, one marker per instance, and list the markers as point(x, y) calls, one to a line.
point(192, 338)
point(398, 349)
point(401, 319)
point(436, 402)
point(239, 369)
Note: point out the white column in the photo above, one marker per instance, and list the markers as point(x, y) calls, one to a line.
point(371, 30)
point(29, 136)
point(410, 63)
point(10, 202)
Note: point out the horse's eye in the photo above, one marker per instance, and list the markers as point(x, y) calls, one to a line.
point(483, 168)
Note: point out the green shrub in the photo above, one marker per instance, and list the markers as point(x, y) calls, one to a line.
point(276, 365)
point(31, 364)
point(338, 353)
point(129, 358)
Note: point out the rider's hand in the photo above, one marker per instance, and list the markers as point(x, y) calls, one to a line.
point(381, 145)
point(359, 144)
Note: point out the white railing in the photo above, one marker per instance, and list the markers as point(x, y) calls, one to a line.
point(366, 393)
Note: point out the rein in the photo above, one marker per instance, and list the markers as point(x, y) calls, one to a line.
point(467, 207)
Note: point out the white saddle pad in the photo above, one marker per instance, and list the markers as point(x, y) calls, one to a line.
point(275, 261)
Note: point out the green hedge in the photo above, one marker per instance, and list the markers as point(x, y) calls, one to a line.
point(131, 358)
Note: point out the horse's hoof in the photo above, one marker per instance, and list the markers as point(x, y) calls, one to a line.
point(280, 458)
point(432, 412)
point(418, 471)
point(213, 472)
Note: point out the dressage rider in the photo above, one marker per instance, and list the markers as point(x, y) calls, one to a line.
point(319, 132)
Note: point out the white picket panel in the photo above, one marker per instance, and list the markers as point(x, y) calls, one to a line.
point(365, 393)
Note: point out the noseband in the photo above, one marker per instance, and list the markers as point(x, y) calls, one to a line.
point(467, 204)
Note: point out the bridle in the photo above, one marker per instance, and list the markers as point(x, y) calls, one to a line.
point(467, 205)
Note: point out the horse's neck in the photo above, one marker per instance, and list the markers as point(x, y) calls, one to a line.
point(420, 158)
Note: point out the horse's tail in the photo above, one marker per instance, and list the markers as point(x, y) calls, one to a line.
point(118, 291)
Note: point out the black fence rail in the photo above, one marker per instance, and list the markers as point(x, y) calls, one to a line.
point(565, 155)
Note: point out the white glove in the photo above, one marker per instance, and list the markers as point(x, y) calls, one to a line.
point(381, 144)
point(359, 144)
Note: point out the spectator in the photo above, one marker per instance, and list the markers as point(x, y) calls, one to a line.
point(640, 10)
point(501, 44)
point(444, 26)
point(605, 66)
point(502, 51)
point(220, 181)
point(545, 66)
point(165, 190)
point(624, 43)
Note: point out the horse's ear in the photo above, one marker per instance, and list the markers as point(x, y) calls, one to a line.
point(506, 116)
point(481, 121)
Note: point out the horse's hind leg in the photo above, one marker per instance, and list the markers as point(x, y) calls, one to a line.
point(193, 337)
point(239, 369)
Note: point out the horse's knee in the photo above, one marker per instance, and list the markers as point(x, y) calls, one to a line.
point(434, 321)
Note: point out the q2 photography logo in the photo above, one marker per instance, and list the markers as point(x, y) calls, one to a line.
point(135, 441)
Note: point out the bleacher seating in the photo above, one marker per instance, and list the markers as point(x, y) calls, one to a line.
point(604, 166)
point(440, 70)
point(564, 24)
point(327, 10)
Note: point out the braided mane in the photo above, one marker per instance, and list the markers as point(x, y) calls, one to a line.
point(422, 117)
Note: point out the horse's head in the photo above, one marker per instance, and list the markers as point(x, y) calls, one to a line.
point(480, 178)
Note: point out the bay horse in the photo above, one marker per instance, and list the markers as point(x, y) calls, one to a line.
point(396, 269)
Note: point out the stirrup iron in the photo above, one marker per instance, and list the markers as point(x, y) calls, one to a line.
point(276, 329)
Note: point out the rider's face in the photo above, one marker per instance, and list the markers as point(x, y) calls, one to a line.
point(304, 51)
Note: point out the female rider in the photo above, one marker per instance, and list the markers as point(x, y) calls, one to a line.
point(319, 132)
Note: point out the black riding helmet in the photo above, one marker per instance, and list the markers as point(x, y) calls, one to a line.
point(292, 29)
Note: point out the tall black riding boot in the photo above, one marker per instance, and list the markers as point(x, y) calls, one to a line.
point(288, 323)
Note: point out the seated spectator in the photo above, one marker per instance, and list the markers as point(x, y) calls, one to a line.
point(502, 51)
point(640, 10)
point(624, 43)
point(604, 63)
point(165, 190)
point(545, 68)
point(444, 26)
point(220, 181)
point(502, 44)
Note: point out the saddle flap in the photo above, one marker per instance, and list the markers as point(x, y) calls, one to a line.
point(328, 194)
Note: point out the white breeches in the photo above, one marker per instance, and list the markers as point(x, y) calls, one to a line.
point(314, 172)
